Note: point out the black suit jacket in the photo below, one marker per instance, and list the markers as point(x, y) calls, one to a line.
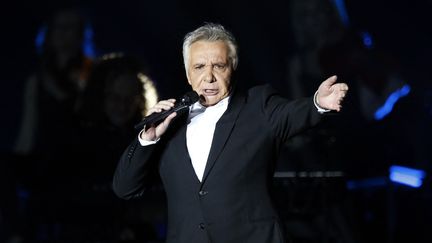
point(232, 203)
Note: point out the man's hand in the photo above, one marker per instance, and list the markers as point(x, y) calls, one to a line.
point(330, 95)
point(153, 133)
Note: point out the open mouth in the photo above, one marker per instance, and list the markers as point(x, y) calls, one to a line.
point(210, 91)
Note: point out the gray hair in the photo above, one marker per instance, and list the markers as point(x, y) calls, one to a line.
point(211, 32)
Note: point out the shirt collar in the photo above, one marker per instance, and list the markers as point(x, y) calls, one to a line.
point(222, 103)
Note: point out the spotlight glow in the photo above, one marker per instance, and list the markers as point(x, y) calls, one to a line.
point(407, 176)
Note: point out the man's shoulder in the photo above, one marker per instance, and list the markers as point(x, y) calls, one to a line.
point(261, 91)
point(261, 88)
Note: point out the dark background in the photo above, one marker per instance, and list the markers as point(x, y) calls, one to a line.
point(153, 31)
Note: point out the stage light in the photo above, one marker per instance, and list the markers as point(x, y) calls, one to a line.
point(367, 40)
point(367, 183)
point(343, 14)
point(407, 176)
point(384, 110)
point(40, 39)
point(88, 44)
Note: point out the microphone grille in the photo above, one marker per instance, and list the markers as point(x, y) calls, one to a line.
point(190, 97)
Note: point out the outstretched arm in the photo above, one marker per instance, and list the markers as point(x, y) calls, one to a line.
point(331, 94)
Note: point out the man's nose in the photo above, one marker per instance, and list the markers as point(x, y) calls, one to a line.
point(208, 75)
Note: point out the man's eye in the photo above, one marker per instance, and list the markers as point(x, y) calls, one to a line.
point(220, 66)
point(198, 67)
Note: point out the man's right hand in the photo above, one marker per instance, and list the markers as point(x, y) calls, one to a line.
point(153, 133)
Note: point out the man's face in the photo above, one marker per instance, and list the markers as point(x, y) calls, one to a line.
point(209, 70)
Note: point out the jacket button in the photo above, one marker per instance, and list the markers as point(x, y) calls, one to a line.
point(201, 226)
point(202, 193)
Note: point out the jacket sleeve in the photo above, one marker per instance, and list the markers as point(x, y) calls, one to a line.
point(285, 117)
point(135, 170)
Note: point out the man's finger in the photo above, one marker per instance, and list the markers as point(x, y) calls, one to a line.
point(161, 105)
point(330, 80)
point(170, 117)
point(343, 86)
point(161, 128)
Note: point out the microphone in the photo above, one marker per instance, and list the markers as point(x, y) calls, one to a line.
point(180, 106)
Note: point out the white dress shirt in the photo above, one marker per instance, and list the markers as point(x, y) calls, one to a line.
point(199, 134)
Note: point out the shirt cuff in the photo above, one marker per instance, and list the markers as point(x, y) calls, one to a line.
point(320, 109)
point(145, 142)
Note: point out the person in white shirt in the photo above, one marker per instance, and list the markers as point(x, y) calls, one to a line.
point(216, 161)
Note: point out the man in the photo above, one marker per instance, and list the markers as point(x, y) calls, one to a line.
point(216, 163)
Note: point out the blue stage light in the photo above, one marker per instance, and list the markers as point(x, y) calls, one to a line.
point(343, 14)
point(40, 39)
point(367, 183)
point(391, 101)
point(88, 44)
point(407, 176)
point(367, 40)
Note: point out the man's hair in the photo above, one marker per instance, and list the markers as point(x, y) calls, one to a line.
point(211, 32)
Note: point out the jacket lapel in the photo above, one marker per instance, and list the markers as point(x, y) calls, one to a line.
point(223, 131)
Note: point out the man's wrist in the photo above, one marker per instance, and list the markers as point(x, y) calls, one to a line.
point(319, 108)
point(145, 142)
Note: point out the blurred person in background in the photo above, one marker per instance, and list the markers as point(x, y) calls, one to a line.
point(118, 95)
point(48, 131)
point(52, 91)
